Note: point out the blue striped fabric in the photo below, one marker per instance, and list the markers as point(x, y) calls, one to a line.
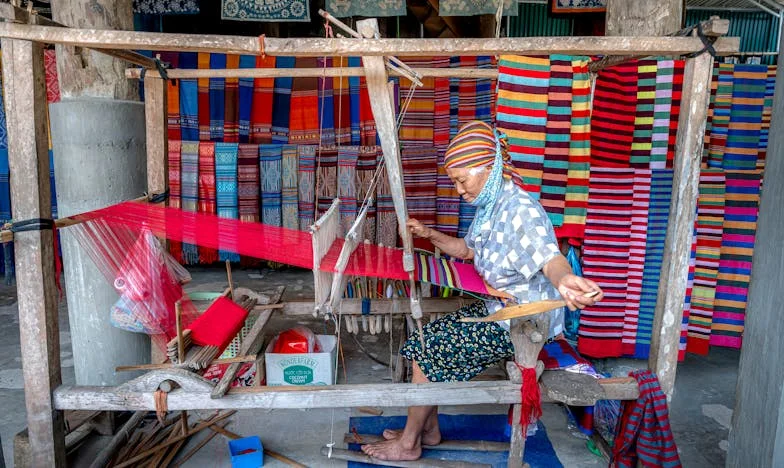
point(246, 98)
point(289, 174)
point(658, 212)
point(189, 99)
point(326, 105)
point(467, 212)
point(454, 98)
point(281, 102)
point(270, 161)
point(353, 86)
point(307, 181)
point(189, 177)
point(217, 98)
point(748, 98)
point(347, 185)
point(682, 344)
point(226, 192)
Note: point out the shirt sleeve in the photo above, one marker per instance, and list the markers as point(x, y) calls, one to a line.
point(534, 239)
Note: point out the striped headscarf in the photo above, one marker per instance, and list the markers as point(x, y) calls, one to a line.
point(478, 145)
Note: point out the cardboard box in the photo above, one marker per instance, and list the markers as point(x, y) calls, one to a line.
point(303, 369)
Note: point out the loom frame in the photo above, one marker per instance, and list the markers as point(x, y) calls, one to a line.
point(23, 37)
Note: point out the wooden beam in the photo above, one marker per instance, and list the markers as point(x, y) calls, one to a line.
point(668, 315)
point(318, 47)
point(15, 14)
point(28, 159)
point(252, 343)
point(181, 73)
point(157, 139)
point(430, 305)
point(329, 396)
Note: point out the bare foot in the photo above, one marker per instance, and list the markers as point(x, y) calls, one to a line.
point(432, 437)
point(393, 449)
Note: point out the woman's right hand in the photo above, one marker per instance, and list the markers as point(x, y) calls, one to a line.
point(418, 229)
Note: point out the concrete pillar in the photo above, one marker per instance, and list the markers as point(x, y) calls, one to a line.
point(101, 160)
point(643, 17)
point(757, 433)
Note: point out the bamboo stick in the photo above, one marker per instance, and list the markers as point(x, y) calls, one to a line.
point(118, 440)
point(168, 365)
point(180, 342)
point(190, 453)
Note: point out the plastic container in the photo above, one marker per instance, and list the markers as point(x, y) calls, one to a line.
point(246, 452)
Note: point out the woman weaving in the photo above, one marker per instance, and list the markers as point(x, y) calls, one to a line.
point(513, 247)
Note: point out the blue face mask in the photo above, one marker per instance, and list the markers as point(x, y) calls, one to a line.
point(485, 201)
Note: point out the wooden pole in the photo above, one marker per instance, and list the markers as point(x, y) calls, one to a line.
point(180, 73)
point(685, 185)
point(122, 436)
point(25, 102)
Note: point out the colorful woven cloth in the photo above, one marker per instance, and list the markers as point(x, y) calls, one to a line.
point(643, 117)
point(227, 191)
point(710, 223)
point(748, 99)
point(281, 103)
point(289, 193)
point(231, 118)
point(467, 213)
point(418, 123)
point(263, 97)
point(560, 355)
point(641, 195)
point(271, 178)
point(354, 103)
point(304, 114)
point(471, 8)
point(737, 247)
point(278, 11)
point(175, 190)
point(367, 123)
point(341, 113)
point(385, 209)
point(166, 7)
point(522, 114)
point(658, 215)
point(683, 342)
point(367, 8)
point(448, 273)
point(326, 178)
point(644, 436)
point(217, 98)
point(326, 105)
point(245, 95)
point(770, 86)
point(367, 162)
point(662, 108)
point(306, 186)
point(721, 115)
point(420, 172)
point(190, 192)
point(189, 100)
point(204, 98)
point(248, 182)
point(347, 186)
point(207, 192)
point(173, 130)
point(606, 259)
point(709, 119)
point(557, 139)
point(612, 119)
point(677, 93)
point(576, 200)
point(50, 73)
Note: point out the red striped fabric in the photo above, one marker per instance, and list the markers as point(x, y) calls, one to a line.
point(641, 196)
point(207, 192)
point(612, 119)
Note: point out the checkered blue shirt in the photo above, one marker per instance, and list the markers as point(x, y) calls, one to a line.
point(511, 249)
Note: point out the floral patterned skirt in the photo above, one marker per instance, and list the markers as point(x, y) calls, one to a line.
point(457, 351)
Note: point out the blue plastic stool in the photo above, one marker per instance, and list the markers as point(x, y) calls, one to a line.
point(252, 459)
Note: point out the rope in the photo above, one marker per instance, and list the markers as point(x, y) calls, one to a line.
point(261, 46)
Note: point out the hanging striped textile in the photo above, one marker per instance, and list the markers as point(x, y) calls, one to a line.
point(173, 130)
point(662, 108)
point(367, 123)
point(448, 273)
point(263, 97)
point(354, 103)
point(245, 97)
point(522, 114)
point(557, 139)
point(304, 113)
point(347, 186)
point(175, 190)
point(281, 102)
point(605, 259)
point(677, 93)
point(189, 99)
point(190, 193)
point(576, 200)
point(326, 178)
point(441, 109)
point(385, 208)
point(342, 101)
point(204, 98)
point(227, 192)
point(207, 192)
point(643, 118)
point(683, 342)
point(289, 190)
point(231, 118)
point(748, 100)
point(770, 86)
point(420, 172)
point(217, 98)
point(721, 115)
point(270, 173)
point(248, 182)
point(367, 162)
point(737, 247)
point(447, 201)
point(455, 93)
point(711, 111)
point(447, 198)
point(50, 76)
point(467, 212)
point(612, 119)
point(419, 121)
point(306, 186)
point(326, 105)
point(485, 92)
point(658, 214)
point(641, 195)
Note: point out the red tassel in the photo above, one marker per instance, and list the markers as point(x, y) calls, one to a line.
point(531, 397)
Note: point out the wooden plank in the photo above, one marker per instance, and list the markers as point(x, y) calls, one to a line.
point(15, 14)
point(122, 436)
point(180, 73)
point(318, 47)
point(343, 396)
point(429, 305)
point(663, 358)
point(350, 455)
point(251, 344)
point(28, 158)
point(157, 140)
point(168, 365)
point(459, 445)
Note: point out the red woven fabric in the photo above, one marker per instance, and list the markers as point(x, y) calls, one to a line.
point(219, 324)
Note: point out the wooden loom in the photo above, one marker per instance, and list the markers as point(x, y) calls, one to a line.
point(23, 36)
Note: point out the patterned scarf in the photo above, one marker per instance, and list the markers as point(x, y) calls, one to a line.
point(226, 187)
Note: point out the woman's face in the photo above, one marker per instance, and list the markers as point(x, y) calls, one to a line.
point(468, 182)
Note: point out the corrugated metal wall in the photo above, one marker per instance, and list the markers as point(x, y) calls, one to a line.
point(532, 21)
point(757, 30)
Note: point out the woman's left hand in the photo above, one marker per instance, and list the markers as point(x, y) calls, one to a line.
point(574, 288)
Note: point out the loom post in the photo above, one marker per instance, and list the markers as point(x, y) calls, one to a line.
point(180, 341)
point(228, 275)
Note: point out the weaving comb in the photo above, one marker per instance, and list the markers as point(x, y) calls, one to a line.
point(523, 310)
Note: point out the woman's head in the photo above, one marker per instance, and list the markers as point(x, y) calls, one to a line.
point(469, 158)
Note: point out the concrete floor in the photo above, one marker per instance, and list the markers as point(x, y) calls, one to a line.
point(700, 412)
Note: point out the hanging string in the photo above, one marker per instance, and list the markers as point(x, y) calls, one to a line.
point(328, 34)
